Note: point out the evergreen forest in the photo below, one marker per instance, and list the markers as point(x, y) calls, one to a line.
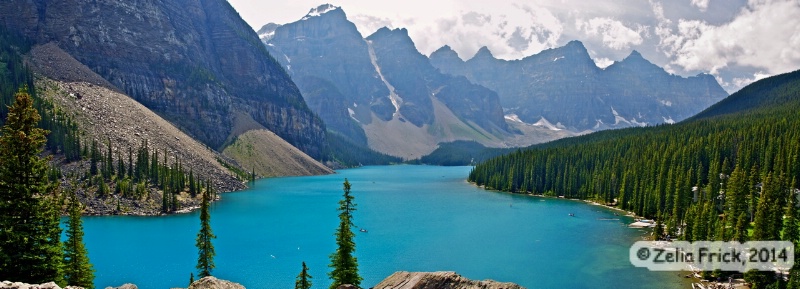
point(730, 173)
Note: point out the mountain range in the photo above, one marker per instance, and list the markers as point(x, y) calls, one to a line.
point(564, 86)
point(381, 92)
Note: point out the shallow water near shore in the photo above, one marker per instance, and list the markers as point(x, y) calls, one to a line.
point(418, 218)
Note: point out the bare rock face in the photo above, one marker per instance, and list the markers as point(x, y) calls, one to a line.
point(564, 85)
point(211, 282)
point(439, 280)
point(195, 62)
point(347, 80)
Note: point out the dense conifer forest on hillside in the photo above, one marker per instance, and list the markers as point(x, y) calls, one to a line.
point(730, 173)
point(723, 158)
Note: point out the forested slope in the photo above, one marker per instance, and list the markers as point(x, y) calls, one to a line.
point(732, 173)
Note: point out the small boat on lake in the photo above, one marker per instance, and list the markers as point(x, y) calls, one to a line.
point(362, 230)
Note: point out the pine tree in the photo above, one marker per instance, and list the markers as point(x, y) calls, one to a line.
point(30, 247)
point(109, 162)
point(130, 161)
point(94, 157)
point(205, 250)
point(344, 264)
point(191, 279)
point(192, 184)
point(303, 280)
point(120, 166)
point(77, 269)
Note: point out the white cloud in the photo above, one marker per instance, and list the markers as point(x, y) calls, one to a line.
point(613, 33)
point(367, 24)
point(603, 62)
point(764, 35)
point(741, 82)
point(731, 39)
point(701, 4)
point(510, 30)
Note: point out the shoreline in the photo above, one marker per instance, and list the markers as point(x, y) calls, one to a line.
point(681, 279)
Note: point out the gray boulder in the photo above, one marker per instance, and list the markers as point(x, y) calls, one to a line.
point(439, 280)
point(211, 282)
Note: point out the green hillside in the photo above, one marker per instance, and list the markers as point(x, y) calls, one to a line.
point(730, 173)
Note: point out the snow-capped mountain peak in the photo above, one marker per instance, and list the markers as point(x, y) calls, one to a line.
point(321, 9)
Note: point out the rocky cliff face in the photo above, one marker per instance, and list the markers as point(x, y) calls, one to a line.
point(329, 60)
point(195, 62)
point(354, 82)
point(415, 80)
point(564, 86)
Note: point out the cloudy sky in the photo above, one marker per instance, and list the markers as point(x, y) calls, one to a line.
point(738, 41)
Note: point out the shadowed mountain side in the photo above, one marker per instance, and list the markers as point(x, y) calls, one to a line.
point(194, 62)
point(380, 91)
point(564, 86)
point(104, 114)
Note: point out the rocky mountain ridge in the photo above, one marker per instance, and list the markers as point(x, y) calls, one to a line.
point(380, 91)
point(564, 86)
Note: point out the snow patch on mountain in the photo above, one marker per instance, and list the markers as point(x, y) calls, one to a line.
point(637, 123)
point(353, 114)
point(617, 118)
point(546, 124)
point(598, 125)
point(513, 117)
point(668, 120)
point(666, 102)
point(396, 100)
point(267, 36)
point(321, 9)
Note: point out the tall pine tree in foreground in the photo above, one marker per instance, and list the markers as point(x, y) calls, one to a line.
point(205, 250)
point(344, 264)
point(30, 247)
point(78, 270)
point(303, 280)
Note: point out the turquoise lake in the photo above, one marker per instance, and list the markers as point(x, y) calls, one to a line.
point(419, 218)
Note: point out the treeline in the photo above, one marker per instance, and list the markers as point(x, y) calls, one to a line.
point(731, 176)
point(143, 169)
point(461, 153)
point(64, 137)
point(350, 154)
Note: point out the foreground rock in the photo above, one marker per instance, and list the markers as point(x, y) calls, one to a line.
point(20, 285)
point(124, 286)
point(439, 280)
point(211, 282)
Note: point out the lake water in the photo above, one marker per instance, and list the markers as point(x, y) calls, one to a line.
point(419, 218)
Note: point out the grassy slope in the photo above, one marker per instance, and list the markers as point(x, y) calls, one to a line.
point(257, 149)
